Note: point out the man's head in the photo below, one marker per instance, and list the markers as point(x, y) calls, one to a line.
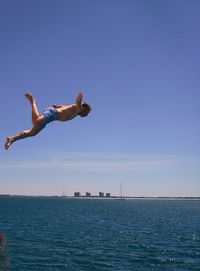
point(86, 108)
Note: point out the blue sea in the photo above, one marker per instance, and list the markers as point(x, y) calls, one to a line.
point(46, 233)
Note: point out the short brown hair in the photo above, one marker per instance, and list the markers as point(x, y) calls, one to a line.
point(87, 106)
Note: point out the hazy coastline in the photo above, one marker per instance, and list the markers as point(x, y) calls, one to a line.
point(107, 198)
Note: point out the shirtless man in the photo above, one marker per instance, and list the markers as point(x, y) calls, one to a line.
point(56, 112)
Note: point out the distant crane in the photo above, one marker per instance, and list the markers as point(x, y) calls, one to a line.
point(121, 193)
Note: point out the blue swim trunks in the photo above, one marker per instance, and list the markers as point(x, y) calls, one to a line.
point(50, 114)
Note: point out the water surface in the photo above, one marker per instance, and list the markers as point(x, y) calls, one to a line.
point(97, 235)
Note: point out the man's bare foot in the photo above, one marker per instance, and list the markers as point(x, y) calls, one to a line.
point(9, 141)
point(29, 97)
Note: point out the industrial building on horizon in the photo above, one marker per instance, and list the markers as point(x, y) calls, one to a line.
point(88, 194)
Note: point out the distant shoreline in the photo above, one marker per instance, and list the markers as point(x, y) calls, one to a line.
point(133, 198)
point(104, 198)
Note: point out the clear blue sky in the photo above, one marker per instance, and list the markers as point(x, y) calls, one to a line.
point(138, 63)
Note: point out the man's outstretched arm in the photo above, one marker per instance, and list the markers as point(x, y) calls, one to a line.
point(79, 101)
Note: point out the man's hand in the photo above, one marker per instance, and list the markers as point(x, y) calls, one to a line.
point(79, 101)
point(80, 96)
point(57, 106)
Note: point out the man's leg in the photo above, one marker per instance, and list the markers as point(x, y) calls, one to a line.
point(35, 112)
point(28, 133)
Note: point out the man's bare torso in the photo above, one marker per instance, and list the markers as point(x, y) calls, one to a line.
point(67, 112)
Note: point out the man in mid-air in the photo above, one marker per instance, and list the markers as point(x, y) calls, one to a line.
point(56, 112)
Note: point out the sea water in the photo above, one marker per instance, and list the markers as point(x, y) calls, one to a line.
point(97, 235)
